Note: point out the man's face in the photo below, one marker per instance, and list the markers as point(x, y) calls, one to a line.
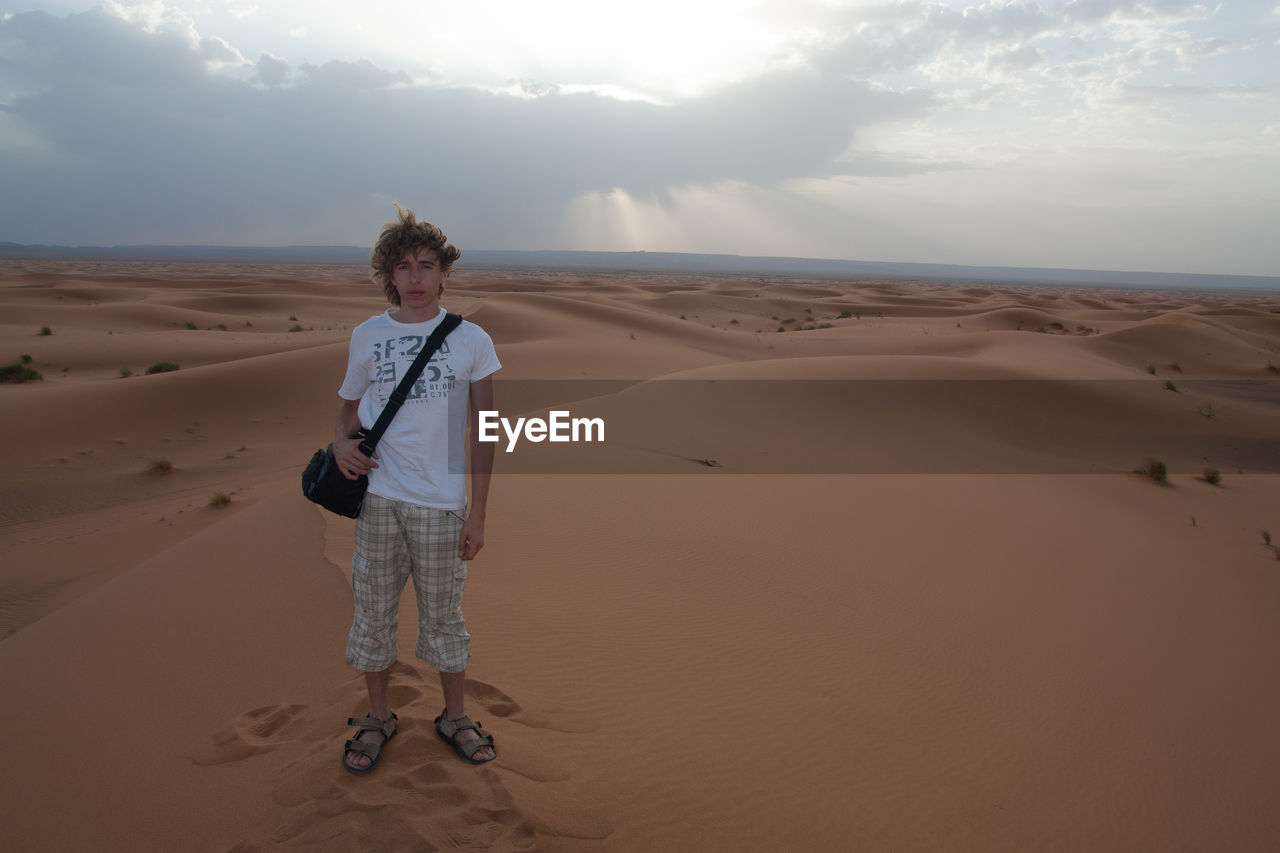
point(418, 279)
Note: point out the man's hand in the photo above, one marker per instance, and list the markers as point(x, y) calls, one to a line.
point(471, 540)
point(351, 461)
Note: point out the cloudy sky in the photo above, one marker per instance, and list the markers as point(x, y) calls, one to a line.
point(1103, 134)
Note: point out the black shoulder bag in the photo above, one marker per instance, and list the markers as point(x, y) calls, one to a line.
point(323, 483)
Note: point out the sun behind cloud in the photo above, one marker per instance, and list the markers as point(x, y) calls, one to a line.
point(660, 48)
point(1123, 134)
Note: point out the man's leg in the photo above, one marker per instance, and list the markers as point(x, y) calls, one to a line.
point(379, 570)
point(376, 683)
point(453, 684)
point(439, 577)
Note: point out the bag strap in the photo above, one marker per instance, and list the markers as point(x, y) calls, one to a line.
point(398, 396)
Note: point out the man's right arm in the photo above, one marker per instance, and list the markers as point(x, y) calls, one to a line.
point(351, 462)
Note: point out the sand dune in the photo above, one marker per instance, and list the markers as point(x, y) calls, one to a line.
point(883, 580)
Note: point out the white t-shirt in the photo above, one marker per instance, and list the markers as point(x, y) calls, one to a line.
point(422, 455)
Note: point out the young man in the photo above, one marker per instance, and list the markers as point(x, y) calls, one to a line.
point(415, 518)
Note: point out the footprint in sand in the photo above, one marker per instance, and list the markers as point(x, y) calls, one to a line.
point(499, 704)
point(491, 699)
point(252, 733)
point(421, 797)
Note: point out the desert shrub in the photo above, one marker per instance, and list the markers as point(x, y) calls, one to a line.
point(1156, 470)
point(1175, 366)
point(24, 358)
point(189, 325)
point(162, 367)
point(218, 499)
point(293, 318)
point(844, 315)
point(1151, 368)
point(1168, 383)
point(17, 373)
point(1266, 537)
point(45, 331)
point(160, 465)
point(1211, 476)
point(126, 372)
point(296, 329)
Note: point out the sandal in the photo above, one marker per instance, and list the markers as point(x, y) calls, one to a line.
point(448, 730)
point(386, 728)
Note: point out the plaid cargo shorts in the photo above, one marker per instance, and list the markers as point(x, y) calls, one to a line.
point(393, 541)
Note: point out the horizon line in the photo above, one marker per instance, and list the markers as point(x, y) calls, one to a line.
point(658, 261)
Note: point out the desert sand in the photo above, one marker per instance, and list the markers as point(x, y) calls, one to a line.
point(883, 580)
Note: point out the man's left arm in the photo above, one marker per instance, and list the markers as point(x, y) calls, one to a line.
point(481, 453)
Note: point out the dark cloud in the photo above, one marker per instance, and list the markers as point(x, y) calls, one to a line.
point(272, 71)
point(361, 74)
point(217, 51)
point(143, 142)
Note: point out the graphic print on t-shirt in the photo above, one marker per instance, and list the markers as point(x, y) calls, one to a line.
point(393, 356)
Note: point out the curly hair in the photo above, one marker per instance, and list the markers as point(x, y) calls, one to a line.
point(405, 235)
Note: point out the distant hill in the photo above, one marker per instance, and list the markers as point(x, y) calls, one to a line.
point(669, 262)
point(228, 254)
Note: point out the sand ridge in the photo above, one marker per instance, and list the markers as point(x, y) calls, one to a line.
point(882, 580)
